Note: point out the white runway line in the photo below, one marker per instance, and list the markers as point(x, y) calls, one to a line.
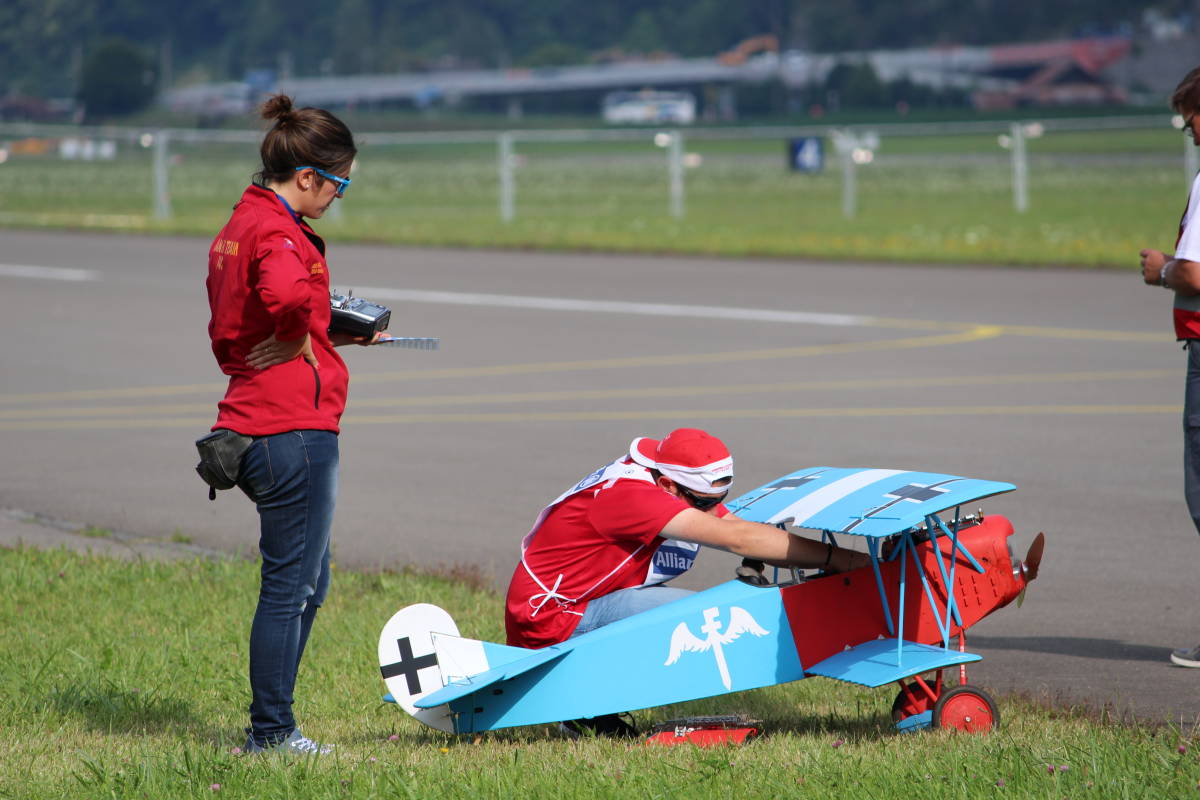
point(611, 306)
point(47, 273)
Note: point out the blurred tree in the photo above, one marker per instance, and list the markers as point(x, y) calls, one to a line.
point(856, 85)
point(353, 38)
point(117, 78)
point(643, 35)
point(554, 54)
point(40, 40)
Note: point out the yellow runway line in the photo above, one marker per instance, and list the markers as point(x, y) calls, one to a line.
point(351, 420)
point(973, 335)
point(495, 398)
point(218, 389)
point(1042, 331)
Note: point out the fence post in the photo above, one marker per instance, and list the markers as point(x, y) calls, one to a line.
point(504, 146)
point(162, 191)
point(675, 171)
point(849, 178)
point(1020, 165)
point(1189, 161)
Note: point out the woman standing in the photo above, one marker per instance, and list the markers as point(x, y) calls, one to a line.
point(268, 288)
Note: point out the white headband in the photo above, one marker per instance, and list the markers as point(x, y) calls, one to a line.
point(701, 479)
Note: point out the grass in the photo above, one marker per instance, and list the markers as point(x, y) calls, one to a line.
point(126, 679)
point(1095, 198)
point(179, 537)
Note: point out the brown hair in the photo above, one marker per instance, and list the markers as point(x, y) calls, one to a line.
point(306, 137)
point(1186, 97)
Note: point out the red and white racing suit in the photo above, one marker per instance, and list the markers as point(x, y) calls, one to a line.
point(598, 537)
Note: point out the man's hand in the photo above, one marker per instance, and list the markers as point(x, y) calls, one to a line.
point(1152, 264)
point(272, 351)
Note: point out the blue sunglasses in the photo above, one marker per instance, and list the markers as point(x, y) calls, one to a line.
point(342, 183)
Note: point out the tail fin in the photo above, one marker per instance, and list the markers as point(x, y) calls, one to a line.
point(420, 652)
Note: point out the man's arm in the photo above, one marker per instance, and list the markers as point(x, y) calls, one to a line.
point(1178, 274)
point(763, 542)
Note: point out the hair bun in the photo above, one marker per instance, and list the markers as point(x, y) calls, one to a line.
point(277, 107)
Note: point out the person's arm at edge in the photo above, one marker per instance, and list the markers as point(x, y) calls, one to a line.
point(763, 542)
point(1178, 274)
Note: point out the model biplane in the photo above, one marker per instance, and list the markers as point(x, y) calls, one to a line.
point(933, 575)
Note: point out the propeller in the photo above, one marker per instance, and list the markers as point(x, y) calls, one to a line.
point(1029, 567)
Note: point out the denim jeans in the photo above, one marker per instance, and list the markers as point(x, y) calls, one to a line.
point(1191, 432)
point(292, 478)
point(625, 603)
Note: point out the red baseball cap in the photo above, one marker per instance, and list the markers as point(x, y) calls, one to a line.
point(688, 456)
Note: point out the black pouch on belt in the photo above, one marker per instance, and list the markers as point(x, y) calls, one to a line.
point(221, 459)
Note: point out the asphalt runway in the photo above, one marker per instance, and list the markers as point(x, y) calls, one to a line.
point(1066, 383)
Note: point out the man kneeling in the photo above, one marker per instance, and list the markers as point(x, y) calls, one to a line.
point(605, 548)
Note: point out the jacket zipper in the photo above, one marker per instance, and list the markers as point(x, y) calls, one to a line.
point(317, 395)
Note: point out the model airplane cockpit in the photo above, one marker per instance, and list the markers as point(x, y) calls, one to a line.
point(934, 573)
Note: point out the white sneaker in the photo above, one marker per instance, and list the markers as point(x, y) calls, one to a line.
point(296, 744)
point(1186, 657)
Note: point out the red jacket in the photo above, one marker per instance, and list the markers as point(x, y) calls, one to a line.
point(267, 275)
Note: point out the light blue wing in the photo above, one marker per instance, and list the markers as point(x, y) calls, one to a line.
point(864, 502)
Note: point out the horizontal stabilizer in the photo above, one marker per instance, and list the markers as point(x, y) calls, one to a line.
point(461, 658)
point(881, 661)
point(470, 685)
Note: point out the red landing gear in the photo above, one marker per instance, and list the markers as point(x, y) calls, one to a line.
point(960, 708)
point(966, 708)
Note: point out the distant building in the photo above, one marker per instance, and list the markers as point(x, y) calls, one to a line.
point(1073, 71)
point(1055, 74)
point(1063, 72)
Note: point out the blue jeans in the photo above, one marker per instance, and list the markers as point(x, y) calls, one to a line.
point(292, 478)
point(1191, 432)
point(625, 603)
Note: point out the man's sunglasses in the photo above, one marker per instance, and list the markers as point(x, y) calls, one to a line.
point(342, 183)
point(700, 502)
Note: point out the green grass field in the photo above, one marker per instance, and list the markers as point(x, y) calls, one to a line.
point(127, 680)
point(1095, 198)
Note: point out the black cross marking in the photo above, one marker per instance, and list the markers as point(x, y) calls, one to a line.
point(786, 483)
point(408, 666)
point(918, 494)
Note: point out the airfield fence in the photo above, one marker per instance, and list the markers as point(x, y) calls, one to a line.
point(473, 187)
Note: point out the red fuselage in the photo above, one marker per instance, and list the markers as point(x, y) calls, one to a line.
point(829, 614)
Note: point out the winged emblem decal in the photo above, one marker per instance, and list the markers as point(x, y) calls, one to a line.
point(684, 641)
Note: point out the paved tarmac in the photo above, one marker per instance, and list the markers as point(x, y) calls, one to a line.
point(1066, 383)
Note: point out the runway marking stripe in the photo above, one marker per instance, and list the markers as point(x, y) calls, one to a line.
point(612, 307)
point(47, 273)
point(655, 391)
point(733, 313)
point(535, 368)
point(609, 416)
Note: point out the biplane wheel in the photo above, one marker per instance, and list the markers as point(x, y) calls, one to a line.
point(905, 706)
point(966, 708)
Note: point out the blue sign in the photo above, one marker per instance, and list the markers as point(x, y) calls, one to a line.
point(806, 154)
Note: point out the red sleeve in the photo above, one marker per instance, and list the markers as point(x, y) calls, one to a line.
point(283, 285)
point(632, 509)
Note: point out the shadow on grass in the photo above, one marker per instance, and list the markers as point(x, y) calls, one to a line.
point(107, 707)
